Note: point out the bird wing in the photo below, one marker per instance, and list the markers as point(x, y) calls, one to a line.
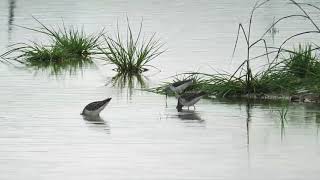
point(176, 84)
point(94, 105)
point(191, 96)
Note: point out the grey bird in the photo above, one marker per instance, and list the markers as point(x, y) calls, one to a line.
point(179, 86)
point(94, 108)
point(189, 99)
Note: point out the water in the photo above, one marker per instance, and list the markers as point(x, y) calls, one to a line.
point(42, 135)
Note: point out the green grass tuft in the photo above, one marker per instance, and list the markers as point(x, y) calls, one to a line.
point(69, 48)
point(302, 63)
point(71, 41)
point(132, 54)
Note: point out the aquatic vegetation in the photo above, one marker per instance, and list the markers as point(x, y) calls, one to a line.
point(49, 59)
point(276, 79)
point(249, 86)
point(70, 40)
point(303, 63)
point(254, 81)
point(301, 70)
point(287, 72)
point(286, 77)
point(132, 54)
point(69, 48)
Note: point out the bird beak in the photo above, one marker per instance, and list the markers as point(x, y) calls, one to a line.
point(108, 100)
point(179, 107)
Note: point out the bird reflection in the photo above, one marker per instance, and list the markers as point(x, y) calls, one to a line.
point(12, 6)
point(96, 122)
point(190, 116)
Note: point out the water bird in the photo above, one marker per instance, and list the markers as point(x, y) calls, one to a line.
point(94, 108)
point(189, 99)
point(179, 86)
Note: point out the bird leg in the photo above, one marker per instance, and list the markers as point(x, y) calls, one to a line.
point(166, 100)
point(179, 106)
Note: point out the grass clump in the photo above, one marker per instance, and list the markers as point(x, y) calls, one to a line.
point(68, 48)
point(302, 63)
point(132, 54)
point(299, 71)
point(71, 41)
point(75, 43)
point(53, 60)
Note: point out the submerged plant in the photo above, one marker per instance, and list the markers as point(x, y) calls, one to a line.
point(132, 54)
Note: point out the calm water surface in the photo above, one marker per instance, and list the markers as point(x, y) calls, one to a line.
point(140, 135)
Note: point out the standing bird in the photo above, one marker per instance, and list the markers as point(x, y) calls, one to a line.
point(94, 108)
point(189, 99)
point(179, 86)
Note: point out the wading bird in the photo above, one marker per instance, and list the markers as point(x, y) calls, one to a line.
point(189, 99)
point(94, 108)
point(179, 86)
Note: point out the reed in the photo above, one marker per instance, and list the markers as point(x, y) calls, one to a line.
point(276, 77)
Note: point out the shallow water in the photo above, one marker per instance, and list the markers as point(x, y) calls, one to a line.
point(140, 135)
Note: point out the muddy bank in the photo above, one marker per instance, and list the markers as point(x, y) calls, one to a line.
point(299, 97)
